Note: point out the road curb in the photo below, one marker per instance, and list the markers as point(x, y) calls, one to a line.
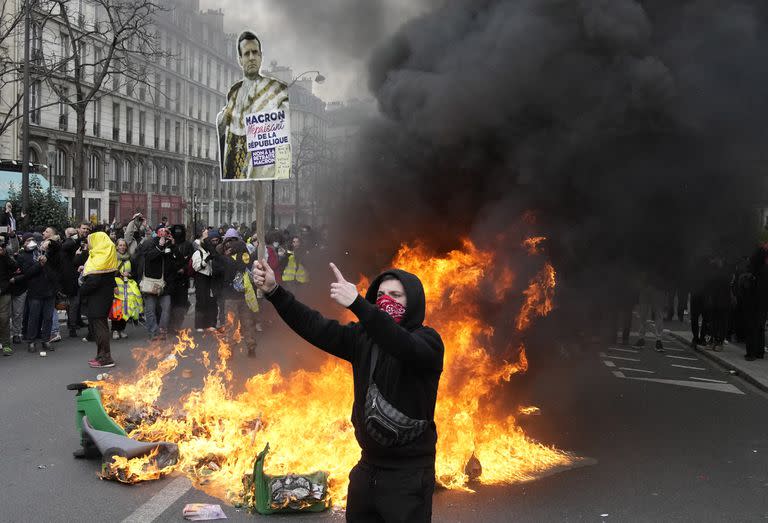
point(713, 356)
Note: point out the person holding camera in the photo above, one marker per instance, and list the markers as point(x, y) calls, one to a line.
point(135, 232)
point(41, 280)
point(396, 366)
point(74, 255)
point(155, 274)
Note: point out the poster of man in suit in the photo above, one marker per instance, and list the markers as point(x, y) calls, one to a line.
point(254, 125)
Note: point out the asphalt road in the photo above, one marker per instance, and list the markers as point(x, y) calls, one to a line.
point(672, 438)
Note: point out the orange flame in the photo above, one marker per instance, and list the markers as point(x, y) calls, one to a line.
point(305, 415)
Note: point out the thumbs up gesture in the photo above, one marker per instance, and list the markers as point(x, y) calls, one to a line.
point(342, 291)
point(264, 276)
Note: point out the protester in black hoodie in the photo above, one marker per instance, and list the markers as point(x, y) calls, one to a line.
point(42, 285)
point(389, 348)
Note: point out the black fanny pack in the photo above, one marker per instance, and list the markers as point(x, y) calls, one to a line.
point(383, 422)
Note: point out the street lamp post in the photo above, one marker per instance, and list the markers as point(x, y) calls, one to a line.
point(319, 78)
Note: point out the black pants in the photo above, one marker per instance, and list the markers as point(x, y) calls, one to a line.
point(719, 322)
point(73, 312)
point(99, 327)
point(205, 304)
point(698, 308)
point(119, 325)
point(390, 495)
point(755, 331)
point(179, 307)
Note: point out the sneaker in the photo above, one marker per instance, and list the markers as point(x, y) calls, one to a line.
point(199, 330)
point(96, 364)
point(85, 340)
point(123, 334)
point(115, 335)
point(43, 354)
point(659, 346)
point(7, 351)
point(16, 339)
point(640, 342)
point(31, 347)
point(56, 338)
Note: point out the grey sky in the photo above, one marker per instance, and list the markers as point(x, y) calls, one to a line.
point(333, 36)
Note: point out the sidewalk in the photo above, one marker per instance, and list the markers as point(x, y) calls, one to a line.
point(732, 357)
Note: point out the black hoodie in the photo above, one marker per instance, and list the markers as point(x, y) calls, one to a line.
point(408, 368)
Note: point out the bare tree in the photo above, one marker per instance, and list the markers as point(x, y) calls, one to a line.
point(118, 42)
point(309, 151)
point(11, 67)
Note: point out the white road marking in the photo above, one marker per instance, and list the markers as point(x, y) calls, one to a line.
point(160, 502)
point(682, 358)
point(619, 374)
point(674, 349)
point(719, 387)
point(609, 363)
point(687, 367)
point(637, 370)
point(604, 355)
point(706, 379)
point(623, 350)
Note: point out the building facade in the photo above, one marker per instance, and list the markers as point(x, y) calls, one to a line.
point(296, 200)
point(149, 147)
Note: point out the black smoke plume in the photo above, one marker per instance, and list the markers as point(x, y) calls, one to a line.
point(633, 131)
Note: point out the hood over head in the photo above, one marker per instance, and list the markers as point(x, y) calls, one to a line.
point(232, 233)
point(414, 290)
point(102, 254)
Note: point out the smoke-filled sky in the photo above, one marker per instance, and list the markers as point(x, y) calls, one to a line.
point(333, 36)
point(633, 129)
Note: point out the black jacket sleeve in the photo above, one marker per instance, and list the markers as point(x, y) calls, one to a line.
point(422, 347)
point(325, 334)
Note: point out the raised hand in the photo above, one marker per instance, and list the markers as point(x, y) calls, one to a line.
point(342, 291)
point(264, 276)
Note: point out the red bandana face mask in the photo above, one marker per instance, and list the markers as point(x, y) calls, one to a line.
point(391, 307)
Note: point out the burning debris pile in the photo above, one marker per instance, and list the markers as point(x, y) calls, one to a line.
point(304, 416)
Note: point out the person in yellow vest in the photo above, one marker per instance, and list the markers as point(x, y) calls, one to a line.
point(295, 275)
point(127, 303)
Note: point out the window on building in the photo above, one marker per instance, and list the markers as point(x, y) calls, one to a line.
point(164, 179)
point(191, 100)
point(175, 179)
point(189, 140)
point(37, 42)
point(208, 72)
point(167, 134)
point(115, 122)
point(208, 144)
point(199, 142)
point(178, 97)
point(97, 117)
point(129, 125)
point(192, 63)
point(200, 69)
point(64, 48)
point(60, 169)
point(140, 175)
point(218, 77)
point(177, 137)
point(199, 104)
point(208, 107)
point(167, 93)
point(111, 175)
point(127, 181)
point(93, 172)
point(63, 108)
point(34, 102)
point(153, 177)
point(142, 125)
point(156, 129)
point(115, 81)
point(179, 58)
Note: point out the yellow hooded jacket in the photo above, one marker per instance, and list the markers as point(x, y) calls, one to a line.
point(102, 255)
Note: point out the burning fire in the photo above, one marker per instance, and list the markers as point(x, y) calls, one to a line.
point(305, 415)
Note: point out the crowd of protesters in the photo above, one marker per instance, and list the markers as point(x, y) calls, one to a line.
point(726, 302)
point(117, 275)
